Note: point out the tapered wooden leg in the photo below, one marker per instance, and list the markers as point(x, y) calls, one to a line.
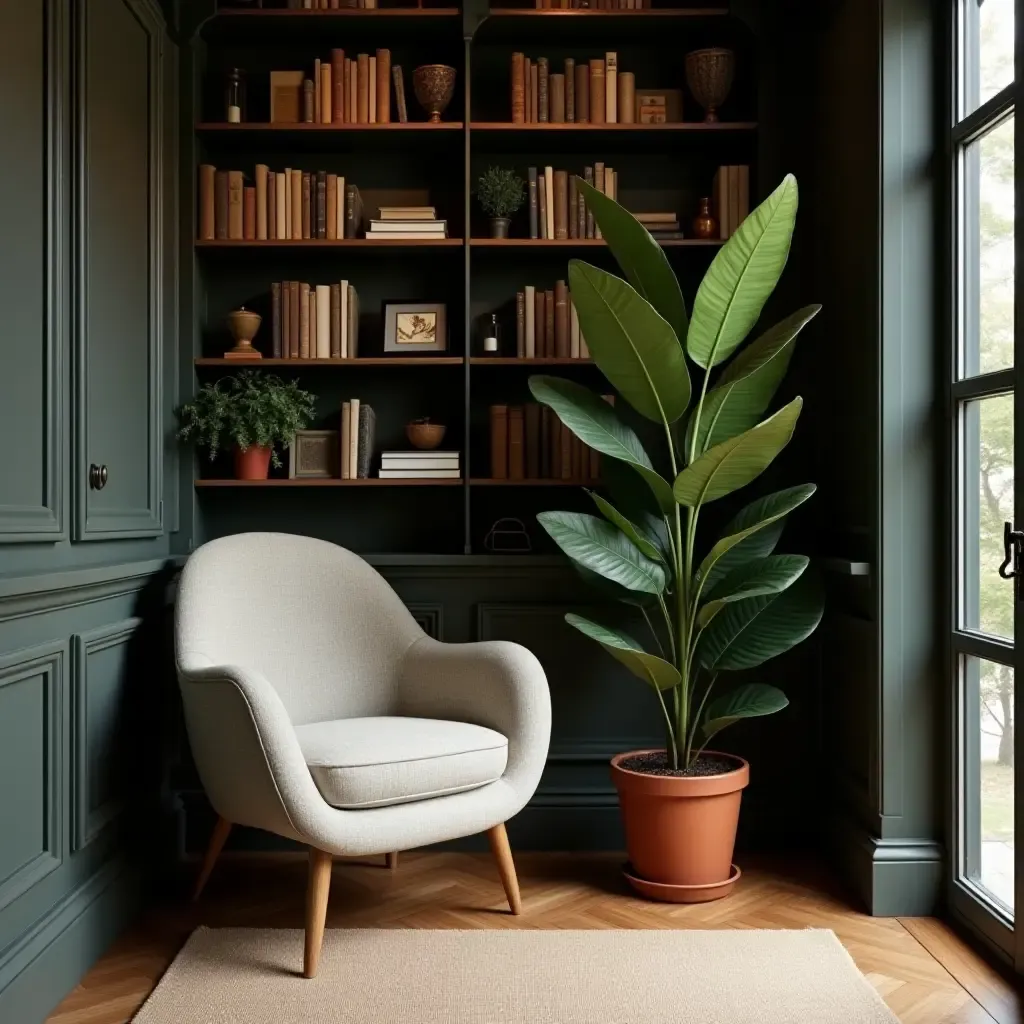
point(317, 891)
point(506, 867)
point(221, 831)
point(392, 860)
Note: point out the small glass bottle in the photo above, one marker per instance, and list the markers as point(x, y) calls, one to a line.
point(492, 337)
point(234, 96)
point(704, 224)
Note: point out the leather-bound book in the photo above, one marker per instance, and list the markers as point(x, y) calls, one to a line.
point(566, 438)
point(297, 204)
point(543, 97)
point(549, 323)
point(249, 212)
point(383, 87)
point(611, 87)
point(371, 102)
point(303, 320)
point(353, 211)
point(518, 89)
point(562, 349)
point(542, 203)
point(338, 108)
point(294, 341)
point(534, 93)
point(326, 94)
point(271, 204)
point(546, 417)
point(331, 206)
point(573, 205)
point(400, 107)
point(539, 320)
point(532, 430)
point(281, 205)
point(531, 191)
point(275, 319)
point(556, 99)
point(561, 204)
point(597, 92)
point(314, 321)
point(286, 320)
point(588, 177)
point(530, 330)
point(262, 172)
point(308, 101)
point(627, 97)
point(516, 443)
point(317, 88)
point(307, 214)
point(549, 201)
point(499, 442)
point(236, 185)
point(582, 93)
point(335, 345)
point(207, 202)
point(520, 325)
point(570, 90)
point(352, 89)
point(363, 88)
point(220, 204)
point(321, 204)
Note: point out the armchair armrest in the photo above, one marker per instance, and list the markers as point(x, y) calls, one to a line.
point(493, 683)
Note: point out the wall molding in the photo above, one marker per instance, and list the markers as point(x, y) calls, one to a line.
point(87, 823)
point(430, 616)
point(46, 660)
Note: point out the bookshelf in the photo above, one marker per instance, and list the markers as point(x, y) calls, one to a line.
point(660, 166)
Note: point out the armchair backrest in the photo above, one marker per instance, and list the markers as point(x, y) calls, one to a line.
point(318, 622)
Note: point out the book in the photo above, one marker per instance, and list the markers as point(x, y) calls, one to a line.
point(312, 322)
point(611, 87)
point(597, 92)
point(531, 192)
point(420, 453)
point(323, 321)
point(549, 202)
point(527, 90)
point(546, 416)
point(407, 213)
point(420, 474)
point(574, 332)
point(303, 320)
point(346, 438)
point(387, 226)
point(262, 211)
point(207, 202)
point(518, 89)
point(294, 320)
point(306, 205)
point(383, 90)
point(556, 98)
point(570, 90)
point(719, 200)
point(235, 200)
point(520, 325)
point(353, 211)
point(308, 101)
point(326, 94)
point(285, 96)
point(249, 212)
point(542, 204)
point(562, 344)
point(338, 107)
point(549, 323)
point(599, 185)
point(352, 89)
point(353, 439)
point(626, 106)
point(570, 212)
point(335, 329)
point(286, 320)
point(516, 443)
point(407, 464)
point(588, 177)
point(366, 439)
point(529, 313)
point(352, 323)
point(744, 194)
point(271, 204)
point(542, 90)
point(281, 204)
point(321, 204)
point(396, 74)
point(297, 204)
point(531, 430)
point(561, 204)
point(371, 100)
point(275, 319)
point(363, 88)
point(582, 93)
point(534, 93)
point(539, 321)
point(316, 82)
point(499, 442)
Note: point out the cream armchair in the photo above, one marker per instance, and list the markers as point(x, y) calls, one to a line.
point(318, 709)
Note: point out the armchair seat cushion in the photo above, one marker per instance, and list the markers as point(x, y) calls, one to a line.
point(360, 763)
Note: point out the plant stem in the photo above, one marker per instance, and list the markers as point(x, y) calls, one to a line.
point(668, 627)
point(696, 718)
point(654, 632)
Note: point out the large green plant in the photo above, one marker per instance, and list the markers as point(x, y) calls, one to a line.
point(711, 608)
point(249, 408)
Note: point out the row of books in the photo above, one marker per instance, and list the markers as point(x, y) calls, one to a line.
point(342, 90)
point(584, 92)
point(420, 465)
point(594, 5)
point(287, 204)
point(358, 434)
point(529, 442)
point(314, 321)
point(731, 197)
point(408, 222)
point(547, 324)
point(557, 208)
point(331, 5)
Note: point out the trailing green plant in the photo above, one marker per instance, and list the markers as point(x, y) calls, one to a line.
point(500, 191)
point(710, 608)
point(248, 408)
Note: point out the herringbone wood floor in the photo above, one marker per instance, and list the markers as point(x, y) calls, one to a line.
point(921, 969)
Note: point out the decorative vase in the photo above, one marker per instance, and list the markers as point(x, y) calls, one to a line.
point(704, 224)
point(434, 85)
point(243, 325)
point(424, 436)
point(681, 830)
point(499, 227)
point(252, 463)
point(709, 75)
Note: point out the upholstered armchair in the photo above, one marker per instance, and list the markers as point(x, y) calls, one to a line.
point(319, 710)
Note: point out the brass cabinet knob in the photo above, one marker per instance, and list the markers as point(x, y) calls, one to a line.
point(97, 477)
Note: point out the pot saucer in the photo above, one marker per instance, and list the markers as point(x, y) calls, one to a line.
point(681, 893)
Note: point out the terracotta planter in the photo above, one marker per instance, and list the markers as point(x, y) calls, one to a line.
point(680, 832)
point(253, 463)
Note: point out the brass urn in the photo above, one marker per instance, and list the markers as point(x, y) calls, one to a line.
point(434, 85)
point(709, 75)
point(243, 325)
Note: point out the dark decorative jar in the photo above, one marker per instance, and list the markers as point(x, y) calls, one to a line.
point(704, 224)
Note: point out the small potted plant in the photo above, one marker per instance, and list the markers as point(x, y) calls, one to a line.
point(714, 604)
point(252, 411)
point(500, 192)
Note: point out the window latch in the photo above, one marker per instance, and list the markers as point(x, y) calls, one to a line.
point(1013, 542)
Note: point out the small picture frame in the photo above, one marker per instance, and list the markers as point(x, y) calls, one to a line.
point(415, 327)
point(313, 454)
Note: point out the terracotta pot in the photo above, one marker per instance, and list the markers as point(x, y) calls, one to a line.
point(680, 832)
point(253, 463)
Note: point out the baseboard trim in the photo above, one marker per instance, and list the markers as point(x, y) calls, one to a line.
point(44, 965)
point(893, 877)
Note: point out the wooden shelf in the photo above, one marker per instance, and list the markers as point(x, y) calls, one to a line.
point(360, 361)
point(584, 243)
point(533, 361)
point(654, 12)
point(329, 243)
point(489, 482)
point(329, 482)
point(231, 128)
point(559, 126)
point(348, 12)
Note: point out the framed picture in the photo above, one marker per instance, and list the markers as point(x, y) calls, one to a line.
point(411, 327)
point(313, 453)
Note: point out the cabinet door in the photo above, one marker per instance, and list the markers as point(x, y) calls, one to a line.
point(117, 312)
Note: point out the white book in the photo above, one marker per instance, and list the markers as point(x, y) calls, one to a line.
point(386, 226)
point(529, 299)
point(391, 464)
point(420, 474)
point(323, 321)
point(420, 454)
point(407, 235)
point(611, 88)
point(344, 320)
point(339, 219)
point(283, 206)
point(574, 331)
point(549, 201)
point(353, 443)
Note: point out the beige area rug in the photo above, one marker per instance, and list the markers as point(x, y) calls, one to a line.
point(248, 976)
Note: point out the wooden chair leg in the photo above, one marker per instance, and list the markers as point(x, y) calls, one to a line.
point(506, 866)
point(392, 860)
point(221, 831)
point(317, 891)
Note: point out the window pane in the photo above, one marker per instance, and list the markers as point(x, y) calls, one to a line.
point(986, 249)
point(986, 50)
point(987, 800)
point(986, 503)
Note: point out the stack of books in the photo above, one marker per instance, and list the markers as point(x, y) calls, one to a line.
point(358, 433)
point(407, 222)
point(419, 465)
point(557, 209)
point(663, 226)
